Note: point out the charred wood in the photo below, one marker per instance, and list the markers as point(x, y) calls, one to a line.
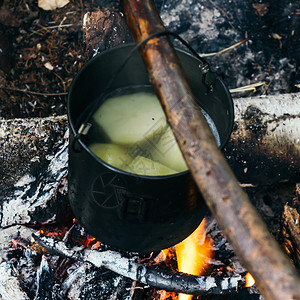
point(20, 261)
point(33, 170)
point(155, 277)
point(27, 274)
point(229, 204)
point(291, 233)
point(9, 283)
point(27, 143)
point(87, 282)
point(45, 281)
point(107, 26)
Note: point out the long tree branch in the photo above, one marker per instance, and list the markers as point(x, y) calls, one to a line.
point(275, 276)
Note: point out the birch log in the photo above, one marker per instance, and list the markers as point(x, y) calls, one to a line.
point(34, 151)
point(234, 213)
point(265, 143)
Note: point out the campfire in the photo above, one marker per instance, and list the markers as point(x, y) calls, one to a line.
point(57, 258)
point(47, 254)
point(63, 261)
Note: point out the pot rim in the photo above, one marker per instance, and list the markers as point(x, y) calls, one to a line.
point(98, 159)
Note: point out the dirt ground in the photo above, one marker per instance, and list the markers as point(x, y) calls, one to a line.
point(41, 51)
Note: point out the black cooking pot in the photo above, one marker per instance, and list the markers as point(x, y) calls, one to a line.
point(127, 211)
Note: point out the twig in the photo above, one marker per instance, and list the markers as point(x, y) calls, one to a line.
point(223, 50)
point(155, 277)
point(32, 92)
point(81, 11)
point(58, 26)
point(250, 87)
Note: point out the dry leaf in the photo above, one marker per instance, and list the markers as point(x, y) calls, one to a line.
point(52, 4)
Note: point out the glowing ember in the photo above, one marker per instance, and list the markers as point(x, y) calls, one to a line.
point(50, 233)
point(192, 253)
point(249, 280)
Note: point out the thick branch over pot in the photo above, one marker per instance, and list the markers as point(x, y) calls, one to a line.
point(276, 278)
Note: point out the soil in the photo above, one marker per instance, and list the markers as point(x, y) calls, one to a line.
point(42, 51)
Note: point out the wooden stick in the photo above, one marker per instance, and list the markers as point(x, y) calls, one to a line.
point(275, 276)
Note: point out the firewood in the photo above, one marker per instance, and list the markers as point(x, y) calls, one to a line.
point(291, 233)
point(9, 283)
point(34, 169)
point(45, 281)
point(104, 29)
point(236, 216)
point(155, 277)
point(13, 232)
point(264, 146)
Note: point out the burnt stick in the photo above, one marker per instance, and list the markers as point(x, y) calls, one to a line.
point(158, 278)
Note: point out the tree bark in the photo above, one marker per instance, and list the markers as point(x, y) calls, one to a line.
point(291, 233)
point(33, 170)
point(264, 146)
point(275, 276)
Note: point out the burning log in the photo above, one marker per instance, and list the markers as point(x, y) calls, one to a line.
point(231, 207)
point(153, 276)
point(28, 274)
point(87, 282)
point(13, 232)
point(15, 240)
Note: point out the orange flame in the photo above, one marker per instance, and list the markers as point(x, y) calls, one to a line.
point(162, 256)
point(249, 280)
point(88, 241)
point(192, 253)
